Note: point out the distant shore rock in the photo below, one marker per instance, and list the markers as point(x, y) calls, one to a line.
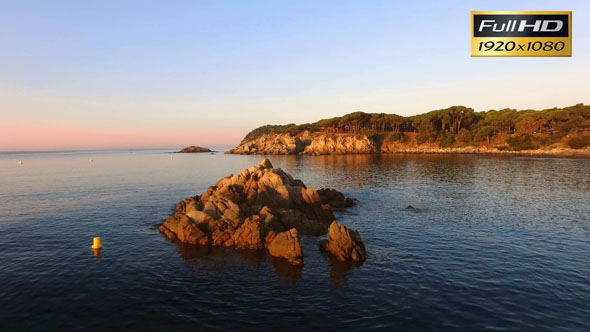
point(345, 244)
point(306, 144)
point(261, 207)
point(194, 149)
point(340, 144)
point(321, 143)
point(272, 144)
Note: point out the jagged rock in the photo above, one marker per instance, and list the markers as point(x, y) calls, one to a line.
point(265, 163)
point(248, 235)
point(252, 209)
point(181, 227)
point(194, 149)
point(335, 198)
point(288, 246)
point(345, 244)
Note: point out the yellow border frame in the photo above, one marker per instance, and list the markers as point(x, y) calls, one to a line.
point(479, 12)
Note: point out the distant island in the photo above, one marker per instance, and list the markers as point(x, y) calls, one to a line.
point(457, 129)
point(194, 149)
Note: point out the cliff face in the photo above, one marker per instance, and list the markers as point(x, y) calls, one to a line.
point(340, 144)
point(272, 144)
point(327, 143)
point(306, 144)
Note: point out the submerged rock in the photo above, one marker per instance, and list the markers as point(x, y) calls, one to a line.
point(261, 207)
point(193, 149)
point(345, 244)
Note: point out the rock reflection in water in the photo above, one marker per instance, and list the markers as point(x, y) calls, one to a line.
point(192, 252)
point(195, 252)
point(290, 273)
point(338, 271)
point(349, 172)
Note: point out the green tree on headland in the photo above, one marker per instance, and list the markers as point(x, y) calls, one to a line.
point(484, 133)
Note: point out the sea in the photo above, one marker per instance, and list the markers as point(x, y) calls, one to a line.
point(493, 244)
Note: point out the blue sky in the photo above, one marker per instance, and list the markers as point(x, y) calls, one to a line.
point(207, 72)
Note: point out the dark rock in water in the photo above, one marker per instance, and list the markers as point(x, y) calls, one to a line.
point(409, 207)
point(261, 207)
point(335, 198)
point(345, 244)
point(194, 149)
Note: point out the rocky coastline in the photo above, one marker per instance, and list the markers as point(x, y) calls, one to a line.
point(315, 144)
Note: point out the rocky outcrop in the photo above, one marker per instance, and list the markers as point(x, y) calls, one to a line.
point(304, 143)
point(345, 244)
point(340, 144)
point(261, 207)
point(273, 144)
point(322, 143)
point(335, 198)
point(194, 149)
point(286, 245)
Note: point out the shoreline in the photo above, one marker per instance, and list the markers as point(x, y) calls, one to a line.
point(315, 144)
point(554, 153)
point(539, 153)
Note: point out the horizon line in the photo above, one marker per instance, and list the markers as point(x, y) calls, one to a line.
point(174, 149)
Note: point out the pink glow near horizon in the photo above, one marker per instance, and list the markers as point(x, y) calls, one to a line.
point(43, 137)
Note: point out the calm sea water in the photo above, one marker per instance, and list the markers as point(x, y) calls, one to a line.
point(495, 244)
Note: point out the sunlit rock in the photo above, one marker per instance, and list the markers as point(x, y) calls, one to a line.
point(345, 244)
point(260, 207)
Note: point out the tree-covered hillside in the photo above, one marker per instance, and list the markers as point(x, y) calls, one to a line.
point(457, 124)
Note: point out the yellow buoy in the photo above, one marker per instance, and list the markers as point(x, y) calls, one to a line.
point(20, 162)
point(96, 243)
point(91, 160)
